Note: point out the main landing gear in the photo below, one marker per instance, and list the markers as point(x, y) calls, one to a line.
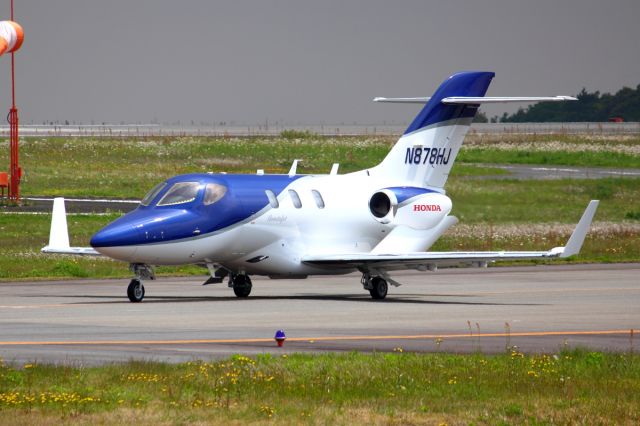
point(135, 290)
point(377, 286)
point(241, 285)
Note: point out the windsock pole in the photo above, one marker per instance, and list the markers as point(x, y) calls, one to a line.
point(14, 168)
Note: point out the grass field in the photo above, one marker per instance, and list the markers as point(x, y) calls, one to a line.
point(127, 168)
point(570, 387)
point(491, 211)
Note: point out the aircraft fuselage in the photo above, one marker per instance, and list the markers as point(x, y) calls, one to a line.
point(248, 232)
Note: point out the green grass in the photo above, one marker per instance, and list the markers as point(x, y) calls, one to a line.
point(128, 167)
point(536, 201)
point(565, 158)
point(380, 388)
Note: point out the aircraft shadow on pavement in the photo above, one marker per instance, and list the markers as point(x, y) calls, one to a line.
point(403, 299)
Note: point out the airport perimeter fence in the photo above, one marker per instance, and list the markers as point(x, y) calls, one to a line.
point(151, 130)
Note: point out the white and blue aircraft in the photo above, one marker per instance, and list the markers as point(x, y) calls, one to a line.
point(375, 221)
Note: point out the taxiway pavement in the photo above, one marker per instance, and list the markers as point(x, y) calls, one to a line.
point(538, 309)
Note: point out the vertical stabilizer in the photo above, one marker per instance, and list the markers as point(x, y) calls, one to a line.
point(424, 155)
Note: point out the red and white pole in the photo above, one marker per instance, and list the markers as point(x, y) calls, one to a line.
point(14, 168)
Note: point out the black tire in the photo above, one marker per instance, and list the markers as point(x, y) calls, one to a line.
point(135, 291)
point(242, 285)
point(379, 288)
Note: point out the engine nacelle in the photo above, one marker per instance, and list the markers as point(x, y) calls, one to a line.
point(417, 208)
point(383, 205)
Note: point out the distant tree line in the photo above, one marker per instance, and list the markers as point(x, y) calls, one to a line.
point(589, 107)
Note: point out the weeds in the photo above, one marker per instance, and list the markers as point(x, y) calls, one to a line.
point(416, 388)
point(57, 166)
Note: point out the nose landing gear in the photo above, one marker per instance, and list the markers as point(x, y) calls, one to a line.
point(135, 290)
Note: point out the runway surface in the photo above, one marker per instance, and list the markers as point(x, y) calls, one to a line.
point(538, 309)
point(528, 172)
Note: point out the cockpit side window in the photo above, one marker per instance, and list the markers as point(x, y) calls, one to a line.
point(213, 192)
point(152, 194)
point(180, 193)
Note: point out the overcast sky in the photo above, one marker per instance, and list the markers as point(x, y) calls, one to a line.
point(304, 62)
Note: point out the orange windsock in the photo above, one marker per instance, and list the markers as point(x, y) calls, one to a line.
point(11, 36)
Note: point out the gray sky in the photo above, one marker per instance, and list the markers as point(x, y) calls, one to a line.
point(310, 62)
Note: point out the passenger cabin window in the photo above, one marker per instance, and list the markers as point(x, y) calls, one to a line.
point(318, 197)
point(213, 192)
point(152, 194)
point(180, 193)
point(273, 200)
point(295, 198)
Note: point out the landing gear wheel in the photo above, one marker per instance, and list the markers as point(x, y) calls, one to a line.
point(135, 291)
point(242, 285)
point(379, 288)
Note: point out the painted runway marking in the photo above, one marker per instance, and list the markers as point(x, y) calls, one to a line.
point(322, 338)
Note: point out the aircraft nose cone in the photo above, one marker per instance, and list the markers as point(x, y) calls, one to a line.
point(116, 240)
point(115, 235)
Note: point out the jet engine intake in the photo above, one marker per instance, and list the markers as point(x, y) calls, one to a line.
point(383, 205)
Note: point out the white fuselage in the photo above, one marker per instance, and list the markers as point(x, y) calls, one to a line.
point(283, 235)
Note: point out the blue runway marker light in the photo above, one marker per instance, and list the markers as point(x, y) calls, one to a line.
point(280, 337)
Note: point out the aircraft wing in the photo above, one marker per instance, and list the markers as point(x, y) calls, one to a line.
point(78, 251)
point(434, 259)
point(425, 260)
point(59, 234)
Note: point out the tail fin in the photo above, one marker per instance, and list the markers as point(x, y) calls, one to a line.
point(424, 155)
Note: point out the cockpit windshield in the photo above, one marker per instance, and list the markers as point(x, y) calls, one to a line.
point(180, 193)
point(213, 192)
point(152, 194)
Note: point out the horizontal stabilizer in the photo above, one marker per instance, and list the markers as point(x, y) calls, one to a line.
point(453, 100)
point(504, 99)
point(421, 100)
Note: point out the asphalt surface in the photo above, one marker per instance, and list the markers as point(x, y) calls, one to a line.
point(520, 171)
point(538, 309)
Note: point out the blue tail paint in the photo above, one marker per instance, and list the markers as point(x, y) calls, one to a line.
point(425, 153)
point(467, 83)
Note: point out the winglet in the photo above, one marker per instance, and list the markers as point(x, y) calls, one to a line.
point(59, 234)
point(577, 237)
